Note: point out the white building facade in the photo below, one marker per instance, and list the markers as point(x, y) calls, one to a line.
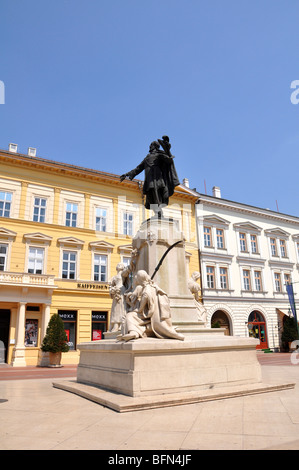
point(247, 256)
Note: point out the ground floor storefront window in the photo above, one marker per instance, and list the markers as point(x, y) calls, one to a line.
point(99, 325)
point(69, 318)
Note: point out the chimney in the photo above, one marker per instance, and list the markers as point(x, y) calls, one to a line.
point(186, 182)
point(216, 192)
point(31, 152)
point(13, 148)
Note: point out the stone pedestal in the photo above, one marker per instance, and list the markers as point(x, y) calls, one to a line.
point(151, 372)
point(152, 240)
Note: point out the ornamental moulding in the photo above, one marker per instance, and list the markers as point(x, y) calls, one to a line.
point(101, 245)
point(7, 234)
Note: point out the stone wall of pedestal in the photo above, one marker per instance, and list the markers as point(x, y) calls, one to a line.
point(154, 366)
point(152, 240)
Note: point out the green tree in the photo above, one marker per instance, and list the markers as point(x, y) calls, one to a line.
point(55, 339)
point(290, 331)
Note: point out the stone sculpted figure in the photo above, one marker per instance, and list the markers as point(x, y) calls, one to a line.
point(193, 286)
point(160, 176)
point(195, 289)
point(117, 290)
point(150, 311)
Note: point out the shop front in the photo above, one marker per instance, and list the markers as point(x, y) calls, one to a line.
point(257, 329)
point(28, 301)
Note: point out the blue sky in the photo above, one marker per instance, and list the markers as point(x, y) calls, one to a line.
point(93, 82)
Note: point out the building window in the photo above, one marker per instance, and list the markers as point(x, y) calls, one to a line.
point(101, 219)
point(71, 214)
point(5, 203)
point(3, 256)
point(69, 318)
point(220, 238)
point(258, 280)
point(210, 277)
point(36, 260)
point(69, 263)
point(223, 278)
point(99, 325)
point(277, 281)
point(126, 260)
point(243, 245)
point(246, 279)
point(128, 223)
point(207, 236)
point(253, 242)
point(39, 209)
point(283, 250)
point(273, 247)
point(100, 268)
point(287, 279)
point(31, 333)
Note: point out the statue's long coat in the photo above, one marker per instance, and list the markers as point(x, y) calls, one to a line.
point(160, 177)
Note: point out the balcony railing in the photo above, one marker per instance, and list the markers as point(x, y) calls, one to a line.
point(35, 280)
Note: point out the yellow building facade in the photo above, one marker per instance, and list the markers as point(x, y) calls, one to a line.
point(63, 230)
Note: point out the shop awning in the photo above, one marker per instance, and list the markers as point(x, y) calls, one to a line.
point(284, 311)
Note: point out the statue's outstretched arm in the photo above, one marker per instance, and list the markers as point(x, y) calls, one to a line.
point(131, 174)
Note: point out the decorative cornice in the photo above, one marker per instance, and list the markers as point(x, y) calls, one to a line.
point(70, 241)
point(101, 245)
point(214, 219)
point(8, 234)
point(248, 227)
point(246, 209)
point(38, 237)
point(277, 232)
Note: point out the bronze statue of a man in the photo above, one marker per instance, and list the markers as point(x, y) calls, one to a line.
point(160, 176)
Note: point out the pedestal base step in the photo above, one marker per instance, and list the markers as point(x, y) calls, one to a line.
point(122, 403)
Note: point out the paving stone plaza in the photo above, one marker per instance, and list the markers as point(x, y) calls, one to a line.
point(36, 416)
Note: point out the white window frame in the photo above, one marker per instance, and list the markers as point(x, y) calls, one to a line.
point(218, 238)
point(101, 227)
point(226, 276)
point(213, 274)
point(5, 256)
point(253, 243)
point(207, 237)
point(286, 273)
point(126, 260)
point(6, 201)
point(100, 256)
point(35, 259)
point(246, 279)
point(69, 251)
point(71, 212)
point(275, 282)
point(124, 222)
point(243, 242)
point(283, 248)
point(260, 280)
point(40, 209)
point(278, 235)
point(69, 197)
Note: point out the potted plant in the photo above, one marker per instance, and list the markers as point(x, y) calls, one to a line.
point(290, 332)
point(55, 340)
